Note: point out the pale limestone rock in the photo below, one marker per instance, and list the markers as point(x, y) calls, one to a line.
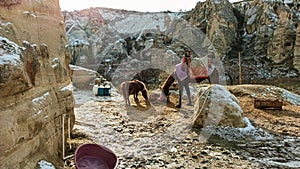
point(215, 105)
point(270, 35)
point(249, 27)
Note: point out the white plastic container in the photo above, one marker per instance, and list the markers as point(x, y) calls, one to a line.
point(95, 90)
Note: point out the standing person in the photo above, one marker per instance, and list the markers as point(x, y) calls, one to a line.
point(182, 75)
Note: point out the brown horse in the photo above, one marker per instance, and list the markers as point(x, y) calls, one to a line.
point(213, 78)
point(133, 88)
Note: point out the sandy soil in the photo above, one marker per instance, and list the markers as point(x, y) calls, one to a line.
point(285, 121)
point(161, 136)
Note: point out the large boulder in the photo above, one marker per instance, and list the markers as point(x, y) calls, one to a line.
point(83, 78)
point(265, 92)
point(215, 105)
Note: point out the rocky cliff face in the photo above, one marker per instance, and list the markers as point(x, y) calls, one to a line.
point(217, 19)
point(96, 33)
point(34, 82)
point(264, 32)
point(297, 50)
point(122, 43)
point(264, 35)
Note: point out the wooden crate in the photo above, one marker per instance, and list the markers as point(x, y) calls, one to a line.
point(263, 103)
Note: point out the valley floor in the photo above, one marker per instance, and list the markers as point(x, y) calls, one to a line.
point(161, 136)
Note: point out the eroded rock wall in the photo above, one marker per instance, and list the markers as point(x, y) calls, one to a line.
point(265, 36)
point(262, 32)
point(297, 50)
point(218, 21)
point(35, 83)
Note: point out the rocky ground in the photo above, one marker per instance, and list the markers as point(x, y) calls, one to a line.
point(160, 136)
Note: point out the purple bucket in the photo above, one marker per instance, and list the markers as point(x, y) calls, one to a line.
point(95, 156)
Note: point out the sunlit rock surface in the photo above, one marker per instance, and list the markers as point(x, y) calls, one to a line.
point(216, 106)
point(217, 19)
point(34, 81)
point(264, 32)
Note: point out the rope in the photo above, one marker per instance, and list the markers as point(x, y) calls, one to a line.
point(205, 91)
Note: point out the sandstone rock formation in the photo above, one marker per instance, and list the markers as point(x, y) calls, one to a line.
point(218, 21)
point(134, 45)
point(296, 60)
point(265, 36)
point(216, 106)
point(35, 83)
point(264, 32)
point(158, 39)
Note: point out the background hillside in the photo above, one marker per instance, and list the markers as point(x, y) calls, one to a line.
point(265, 33)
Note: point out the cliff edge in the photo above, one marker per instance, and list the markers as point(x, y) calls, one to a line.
point(35, 83)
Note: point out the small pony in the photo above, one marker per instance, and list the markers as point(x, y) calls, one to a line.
point(133, 87)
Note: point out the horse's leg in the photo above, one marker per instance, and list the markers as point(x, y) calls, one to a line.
point(128, 101)
point(124, 92)
point(135, 96)
point(166, 87)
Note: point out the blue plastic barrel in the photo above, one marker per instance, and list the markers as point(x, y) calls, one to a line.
point(100, 91)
